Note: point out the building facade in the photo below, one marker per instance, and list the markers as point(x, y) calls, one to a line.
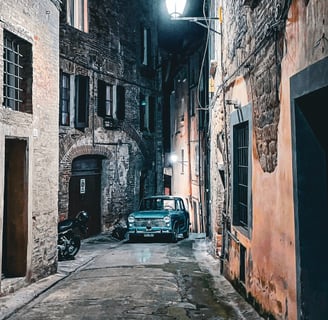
point(188, 123)
point(29, 97)
point(110, 139)
point(185, 87)
point(269, 153)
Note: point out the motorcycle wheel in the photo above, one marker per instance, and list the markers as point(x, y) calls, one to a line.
point(74, 246)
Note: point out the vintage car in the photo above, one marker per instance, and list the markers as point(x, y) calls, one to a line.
point(159, 216)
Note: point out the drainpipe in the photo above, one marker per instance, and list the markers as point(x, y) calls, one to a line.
point(226, 156)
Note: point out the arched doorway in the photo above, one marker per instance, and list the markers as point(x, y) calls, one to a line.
point(84, 190)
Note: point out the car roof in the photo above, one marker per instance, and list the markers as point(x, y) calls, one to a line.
point(163, 197)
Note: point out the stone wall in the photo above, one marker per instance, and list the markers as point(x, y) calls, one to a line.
point(38, 24)
point(110, 51)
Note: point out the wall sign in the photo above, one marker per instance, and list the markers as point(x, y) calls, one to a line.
point(82, 186)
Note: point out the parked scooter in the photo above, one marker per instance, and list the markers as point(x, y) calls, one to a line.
point(69, 235)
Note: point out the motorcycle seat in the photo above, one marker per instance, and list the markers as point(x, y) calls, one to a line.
point(65, 225)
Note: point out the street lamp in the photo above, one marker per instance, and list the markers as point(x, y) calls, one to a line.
point(175, 9)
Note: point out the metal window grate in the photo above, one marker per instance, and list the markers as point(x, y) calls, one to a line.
point(242, 172)
point(12, 79)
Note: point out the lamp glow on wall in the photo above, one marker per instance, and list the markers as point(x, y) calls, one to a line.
point(175, 8)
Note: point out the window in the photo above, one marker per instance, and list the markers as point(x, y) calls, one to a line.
point(145, 46)
point(81, 101)
point(111, 100)
point(197, 163)
point(242, 264)
point(106, 105)
point(147, 113)
point(77, 14)
point(17, 73)
point(182, 161)
point(241, 172)
point(241, 122)
point(64, 100)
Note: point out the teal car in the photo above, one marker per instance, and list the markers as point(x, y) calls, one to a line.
point(159, 216)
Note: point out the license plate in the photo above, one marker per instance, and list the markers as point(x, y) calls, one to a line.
point(148, 235)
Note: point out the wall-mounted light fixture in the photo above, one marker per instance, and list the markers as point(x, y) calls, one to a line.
point(236, 104)
point(175, 9)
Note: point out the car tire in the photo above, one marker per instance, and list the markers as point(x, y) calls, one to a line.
point(132, 238)
point(175, 234)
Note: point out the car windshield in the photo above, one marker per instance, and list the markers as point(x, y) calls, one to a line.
point(157, 204)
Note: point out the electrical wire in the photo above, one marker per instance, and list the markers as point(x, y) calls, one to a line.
point(200, 106)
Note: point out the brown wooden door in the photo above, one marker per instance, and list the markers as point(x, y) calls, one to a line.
point(15, 226)
point(84, 194)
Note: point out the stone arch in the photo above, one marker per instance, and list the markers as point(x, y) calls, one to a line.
point(65, 171)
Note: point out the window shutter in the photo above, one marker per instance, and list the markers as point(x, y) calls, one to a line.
point(142, 108)
point(142, 44)
point(81, 101)
point(120, 101)
point(101, 110)
point(151, 114)
point(148, 47)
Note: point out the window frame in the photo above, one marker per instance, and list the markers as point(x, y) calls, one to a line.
point(77, 14)
point(146, 54)
point(241, 117)
point(17, 73)
point(81, 102)
point(67, 98)
point(147, 113)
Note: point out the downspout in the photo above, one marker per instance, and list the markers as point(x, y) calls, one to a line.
point(226, 156)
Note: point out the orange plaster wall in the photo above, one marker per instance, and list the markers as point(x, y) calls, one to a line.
point(271, 263)
point(271, 269)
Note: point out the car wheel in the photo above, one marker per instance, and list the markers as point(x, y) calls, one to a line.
point(132, 238)
point(186, 233)
point(175, 234)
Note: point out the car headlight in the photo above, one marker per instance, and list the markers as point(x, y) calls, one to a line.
point(131, 219)
point(167, 219)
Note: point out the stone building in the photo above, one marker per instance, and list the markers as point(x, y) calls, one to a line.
point(187, 139)
point(110, 133)
point(185, 81)
point(29, 98)
point(269, 143)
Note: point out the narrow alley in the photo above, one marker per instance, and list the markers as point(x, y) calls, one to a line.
point(145, 280)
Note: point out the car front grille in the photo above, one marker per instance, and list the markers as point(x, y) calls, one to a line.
point(149, 223)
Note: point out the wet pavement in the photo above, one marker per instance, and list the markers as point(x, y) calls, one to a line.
point(119, 280)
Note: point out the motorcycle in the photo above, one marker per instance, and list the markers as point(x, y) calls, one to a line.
point(69, 235)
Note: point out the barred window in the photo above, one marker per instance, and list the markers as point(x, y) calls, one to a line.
point(17, 74)
point(241, 138)
point(241, 171)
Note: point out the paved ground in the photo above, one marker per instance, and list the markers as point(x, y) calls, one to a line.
point(93, 247)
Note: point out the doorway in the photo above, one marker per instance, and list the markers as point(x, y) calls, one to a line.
point(15, 217)
point(310, 166)
point(195, 225)
point(84, 191)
